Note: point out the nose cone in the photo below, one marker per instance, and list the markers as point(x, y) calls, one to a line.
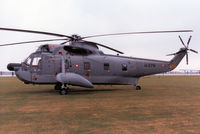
point(24, 76)
point(13, 66)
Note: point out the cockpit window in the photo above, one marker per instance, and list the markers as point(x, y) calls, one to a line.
point(28, 61)
point(36, 61)
point(124, 67)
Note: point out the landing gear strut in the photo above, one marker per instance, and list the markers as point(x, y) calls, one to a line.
point(58, 86)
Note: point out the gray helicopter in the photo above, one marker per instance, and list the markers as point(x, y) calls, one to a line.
point(81, 63)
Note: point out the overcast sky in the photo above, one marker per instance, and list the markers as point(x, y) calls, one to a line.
point(89, 17)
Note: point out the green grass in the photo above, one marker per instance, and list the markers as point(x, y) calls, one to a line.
point(166, 104)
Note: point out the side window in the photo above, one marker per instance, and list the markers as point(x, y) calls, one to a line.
point(124, 67)
point(36, 61)
point(106, 66)
point(86, 66)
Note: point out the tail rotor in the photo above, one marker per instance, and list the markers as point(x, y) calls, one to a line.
point(185, 49)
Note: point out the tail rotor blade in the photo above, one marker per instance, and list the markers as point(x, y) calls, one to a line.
point(185, 50)
point(182, 41)
point(189, 41)
point(171, 54)
point(194, 51)
point(187, 58)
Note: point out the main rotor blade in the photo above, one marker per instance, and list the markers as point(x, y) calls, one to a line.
point(110, 48)
point(193, 51)
point(189, 41)
point(26, 42)
point(92, 43)
point(65, 42)
point(35, 32)
point(182, 41)
point(149, 32)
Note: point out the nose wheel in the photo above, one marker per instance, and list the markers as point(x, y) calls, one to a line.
point(64, 89)
point(138, 87)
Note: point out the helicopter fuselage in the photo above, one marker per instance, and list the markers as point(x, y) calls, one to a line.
point(81, 63)
point(43, 67)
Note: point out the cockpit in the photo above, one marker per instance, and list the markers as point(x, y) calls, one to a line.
point(33, 63)
point(33, 60)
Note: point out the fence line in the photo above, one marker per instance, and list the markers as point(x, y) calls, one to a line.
point(182, 72)
point(4, 73)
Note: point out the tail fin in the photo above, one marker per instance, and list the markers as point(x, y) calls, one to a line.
point(177, 58)
point(180, 54)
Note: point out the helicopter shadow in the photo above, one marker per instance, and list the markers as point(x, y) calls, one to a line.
point(89, 91)
point(71, 91)
point(47, 91)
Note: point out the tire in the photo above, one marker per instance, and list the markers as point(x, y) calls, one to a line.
point(63, 92)
point(138, 88)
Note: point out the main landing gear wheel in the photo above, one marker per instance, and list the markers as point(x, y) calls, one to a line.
point(138, 88)
point(64, 89)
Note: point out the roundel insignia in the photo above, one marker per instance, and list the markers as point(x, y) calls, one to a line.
point(172, 66)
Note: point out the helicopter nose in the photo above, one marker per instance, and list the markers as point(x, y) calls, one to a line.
point(24, 76)
point(13, 66)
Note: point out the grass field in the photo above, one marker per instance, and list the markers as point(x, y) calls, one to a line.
point(165, 105)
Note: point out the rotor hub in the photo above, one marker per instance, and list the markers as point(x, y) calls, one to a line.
point(76, 37)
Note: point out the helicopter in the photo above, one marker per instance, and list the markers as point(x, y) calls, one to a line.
point(82, 63)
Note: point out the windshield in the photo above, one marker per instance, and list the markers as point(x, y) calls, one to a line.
point(33, 60)
point(28, 61)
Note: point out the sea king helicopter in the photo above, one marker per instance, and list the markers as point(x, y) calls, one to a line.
point(79, 62)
